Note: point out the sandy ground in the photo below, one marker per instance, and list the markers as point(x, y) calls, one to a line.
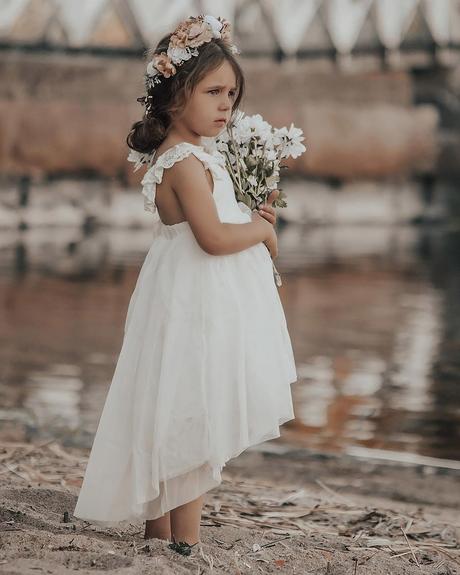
point(295, 512)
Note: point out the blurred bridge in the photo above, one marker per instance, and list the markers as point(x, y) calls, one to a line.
point(398, 33)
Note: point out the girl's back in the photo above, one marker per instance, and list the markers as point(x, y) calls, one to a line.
point(168, 204)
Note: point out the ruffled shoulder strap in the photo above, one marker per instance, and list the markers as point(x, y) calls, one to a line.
point(214, 162)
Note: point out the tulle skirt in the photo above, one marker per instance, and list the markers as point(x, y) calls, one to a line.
point(203, 373)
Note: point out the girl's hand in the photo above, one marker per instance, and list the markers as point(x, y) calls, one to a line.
point(272, 243)
point(266, 210)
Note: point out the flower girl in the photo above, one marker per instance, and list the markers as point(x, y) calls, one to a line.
point(206, 361)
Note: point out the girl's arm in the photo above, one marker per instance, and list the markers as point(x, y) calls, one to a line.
point(190, 184)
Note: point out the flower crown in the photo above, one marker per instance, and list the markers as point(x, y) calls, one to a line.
point(183, 44)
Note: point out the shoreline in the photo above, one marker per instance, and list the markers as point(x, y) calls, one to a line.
point(278, 509)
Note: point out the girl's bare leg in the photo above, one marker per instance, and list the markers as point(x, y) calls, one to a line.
point(185, 521)
point(159, 528)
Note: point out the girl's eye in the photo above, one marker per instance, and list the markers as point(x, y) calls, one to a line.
point(232, 93)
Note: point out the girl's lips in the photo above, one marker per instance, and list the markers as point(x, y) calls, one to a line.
point(220, 121)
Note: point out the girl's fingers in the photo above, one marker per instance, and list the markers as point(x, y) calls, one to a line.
point(269, 209)
point(266, 209)
point(272, 197)
point(268, 212)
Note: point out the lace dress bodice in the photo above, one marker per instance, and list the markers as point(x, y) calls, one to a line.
point(212, 160)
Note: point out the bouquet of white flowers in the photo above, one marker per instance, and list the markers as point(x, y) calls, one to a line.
point(253, 150)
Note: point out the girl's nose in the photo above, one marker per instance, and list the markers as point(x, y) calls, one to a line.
point(227, 103)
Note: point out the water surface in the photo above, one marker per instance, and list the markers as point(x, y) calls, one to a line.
point(373, 315)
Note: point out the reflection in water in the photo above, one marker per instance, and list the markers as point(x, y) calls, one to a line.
point(54, 397)
point(416, 347)
point(375, 337)
point(373, 315)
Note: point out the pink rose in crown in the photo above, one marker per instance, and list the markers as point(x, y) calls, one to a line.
point(163, 64)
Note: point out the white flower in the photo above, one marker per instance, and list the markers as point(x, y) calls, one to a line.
point(151, 70)
point(253, 148)
point(178, 55)
point(292, 139)
point(272, 181)
point(221, 143)
point(278, 138)
point(258, 126)
point(248, 126)
point(294, 149)
point(215, 24)
point(242, 130)
point(294, 132)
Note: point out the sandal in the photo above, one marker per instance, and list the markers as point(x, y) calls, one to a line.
point(182, 547)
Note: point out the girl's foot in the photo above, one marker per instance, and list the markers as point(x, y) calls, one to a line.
point(159, 528)
point(182, 547)
point(185, 525)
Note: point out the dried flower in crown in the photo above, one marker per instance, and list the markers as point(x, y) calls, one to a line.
point(183, 44)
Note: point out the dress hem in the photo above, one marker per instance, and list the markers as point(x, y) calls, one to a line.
point(216, 478)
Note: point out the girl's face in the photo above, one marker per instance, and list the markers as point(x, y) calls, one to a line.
point(211, 101)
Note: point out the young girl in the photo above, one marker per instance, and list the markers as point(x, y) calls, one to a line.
point(206, 360)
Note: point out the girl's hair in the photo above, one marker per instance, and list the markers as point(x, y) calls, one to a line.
point(171, 94)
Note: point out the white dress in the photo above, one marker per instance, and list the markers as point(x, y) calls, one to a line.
point(204, 369)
